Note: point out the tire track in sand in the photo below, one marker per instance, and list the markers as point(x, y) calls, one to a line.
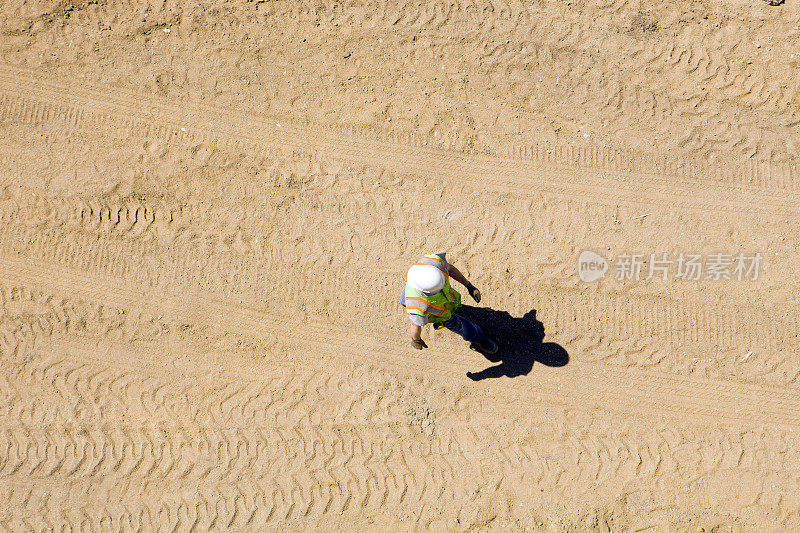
point(305, 466)
point(614, 176)
point(585, 384)
point(672, 322)
point(305, 450)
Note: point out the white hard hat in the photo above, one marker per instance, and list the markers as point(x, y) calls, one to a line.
point(425, 278)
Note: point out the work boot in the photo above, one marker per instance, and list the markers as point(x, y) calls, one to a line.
point(486, 345)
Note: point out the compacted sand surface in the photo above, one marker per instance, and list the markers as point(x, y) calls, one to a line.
point(206, 214)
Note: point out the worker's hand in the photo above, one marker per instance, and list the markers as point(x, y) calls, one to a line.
point(418, 344)
point(475, 293)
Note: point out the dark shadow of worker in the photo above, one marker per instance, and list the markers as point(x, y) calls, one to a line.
point(519, 341)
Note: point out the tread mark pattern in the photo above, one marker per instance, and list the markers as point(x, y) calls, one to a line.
point(251, 132)
point(615, 387)
point(321, 464)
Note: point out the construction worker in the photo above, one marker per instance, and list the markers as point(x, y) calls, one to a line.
point(428, 298)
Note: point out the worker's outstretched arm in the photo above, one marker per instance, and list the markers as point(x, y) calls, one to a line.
point(459, 277)
point(415, 332)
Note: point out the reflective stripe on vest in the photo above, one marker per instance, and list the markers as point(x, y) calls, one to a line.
point(434, 260)
point(419, 303)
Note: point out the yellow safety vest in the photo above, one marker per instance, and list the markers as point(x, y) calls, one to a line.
point(437, 307)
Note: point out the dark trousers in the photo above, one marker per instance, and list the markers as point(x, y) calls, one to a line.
point(470, 331)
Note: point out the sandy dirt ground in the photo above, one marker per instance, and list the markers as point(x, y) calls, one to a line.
point(207, 209)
